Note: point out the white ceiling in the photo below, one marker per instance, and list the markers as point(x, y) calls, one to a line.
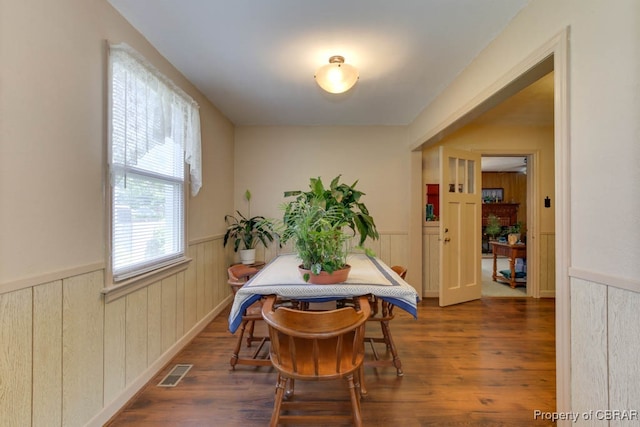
point(255, 60)
point(504, 164)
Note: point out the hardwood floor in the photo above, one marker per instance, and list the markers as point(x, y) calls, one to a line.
point(484, 363)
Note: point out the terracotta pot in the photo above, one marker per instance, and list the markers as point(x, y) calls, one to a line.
point(325, 278)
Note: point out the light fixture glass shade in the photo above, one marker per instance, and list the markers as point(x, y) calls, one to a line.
point(336, 76)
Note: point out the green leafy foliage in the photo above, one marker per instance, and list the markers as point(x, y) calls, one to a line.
point(317, 235)
point(246, 233)
point(493, 228)
point(315, 221)
point(344, 198)
point(515, 228)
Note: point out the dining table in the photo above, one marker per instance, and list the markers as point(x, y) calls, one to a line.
point(368, 276)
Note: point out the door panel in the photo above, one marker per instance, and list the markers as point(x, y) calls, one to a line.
point(460, 226)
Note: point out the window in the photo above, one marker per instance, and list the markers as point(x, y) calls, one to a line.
point(155, 128)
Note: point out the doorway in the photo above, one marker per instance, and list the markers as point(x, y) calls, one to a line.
point(504, 210)
point(552, 56)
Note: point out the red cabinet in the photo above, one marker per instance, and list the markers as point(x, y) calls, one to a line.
point(433, 199)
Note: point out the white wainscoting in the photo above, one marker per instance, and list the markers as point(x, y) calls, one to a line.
point(74, 360)
point(605, 325)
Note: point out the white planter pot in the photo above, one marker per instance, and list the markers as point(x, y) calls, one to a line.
point(247, 256)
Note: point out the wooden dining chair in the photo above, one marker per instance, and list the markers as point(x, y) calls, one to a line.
point(316, 346)
point(382, 313)
point(239, 274)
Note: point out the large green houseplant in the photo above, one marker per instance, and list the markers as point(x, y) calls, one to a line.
point(318, 223)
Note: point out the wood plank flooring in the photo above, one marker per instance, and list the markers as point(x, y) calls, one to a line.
point(484, 363)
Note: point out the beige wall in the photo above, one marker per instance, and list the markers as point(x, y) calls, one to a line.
point(271, 160)
point(73, 359)
point(53, 136)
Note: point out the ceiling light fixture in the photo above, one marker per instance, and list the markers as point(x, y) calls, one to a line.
point(336, 76)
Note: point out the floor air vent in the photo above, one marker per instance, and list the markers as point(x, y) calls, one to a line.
point(173, 378)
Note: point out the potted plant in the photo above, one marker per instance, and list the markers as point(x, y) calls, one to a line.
point(346, 198)
point(316, 221)
point(493, 228)
point(514, 233)
point(246, 233)
point(318, 239)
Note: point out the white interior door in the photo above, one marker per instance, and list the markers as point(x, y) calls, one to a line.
point(460, 226)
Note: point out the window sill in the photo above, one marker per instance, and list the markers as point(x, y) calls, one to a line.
point(121, 289)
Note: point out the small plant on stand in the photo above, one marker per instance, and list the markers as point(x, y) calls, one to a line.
point(246, 233)
point(514, 233)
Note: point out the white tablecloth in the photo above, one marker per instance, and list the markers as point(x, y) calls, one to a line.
point(281, 277)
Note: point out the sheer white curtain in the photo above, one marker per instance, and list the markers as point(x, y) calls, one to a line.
point(160, 96)
point(155, 129)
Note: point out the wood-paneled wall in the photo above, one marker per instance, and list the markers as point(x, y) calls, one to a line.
point(515, 189)
point(70, 359)
point(547, 265)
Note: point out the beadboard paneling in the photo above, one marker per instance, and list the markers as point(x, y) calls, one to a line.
point(200, 281)
point(588, 346)
point(114, 348)
point(431, 262)
point(168, 309)
point(624, 363)
point(154, 322)
point(16, 357)
point(136, 331)
point(395, 249)
point(208, 277)
point(547, 264)
point(82, 348)
point(47, 354)
point(69, 359)
point(223, 290)
point(190, 291)
point(180, 288)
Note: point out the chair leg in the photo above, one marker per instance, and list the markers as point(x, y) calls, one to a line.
point(362, 387)
point(277, 403)
point(250, 337)
point(236, 350)
point(355, 402)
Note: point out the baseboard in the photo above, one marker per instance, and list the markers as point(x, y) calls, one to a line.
point(117, 404)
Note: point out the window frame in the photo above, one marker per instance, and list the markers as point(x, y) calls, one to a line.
point(126, 283)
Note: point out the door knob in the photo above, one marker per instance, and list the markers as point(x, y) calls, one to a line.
point(447, 239)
